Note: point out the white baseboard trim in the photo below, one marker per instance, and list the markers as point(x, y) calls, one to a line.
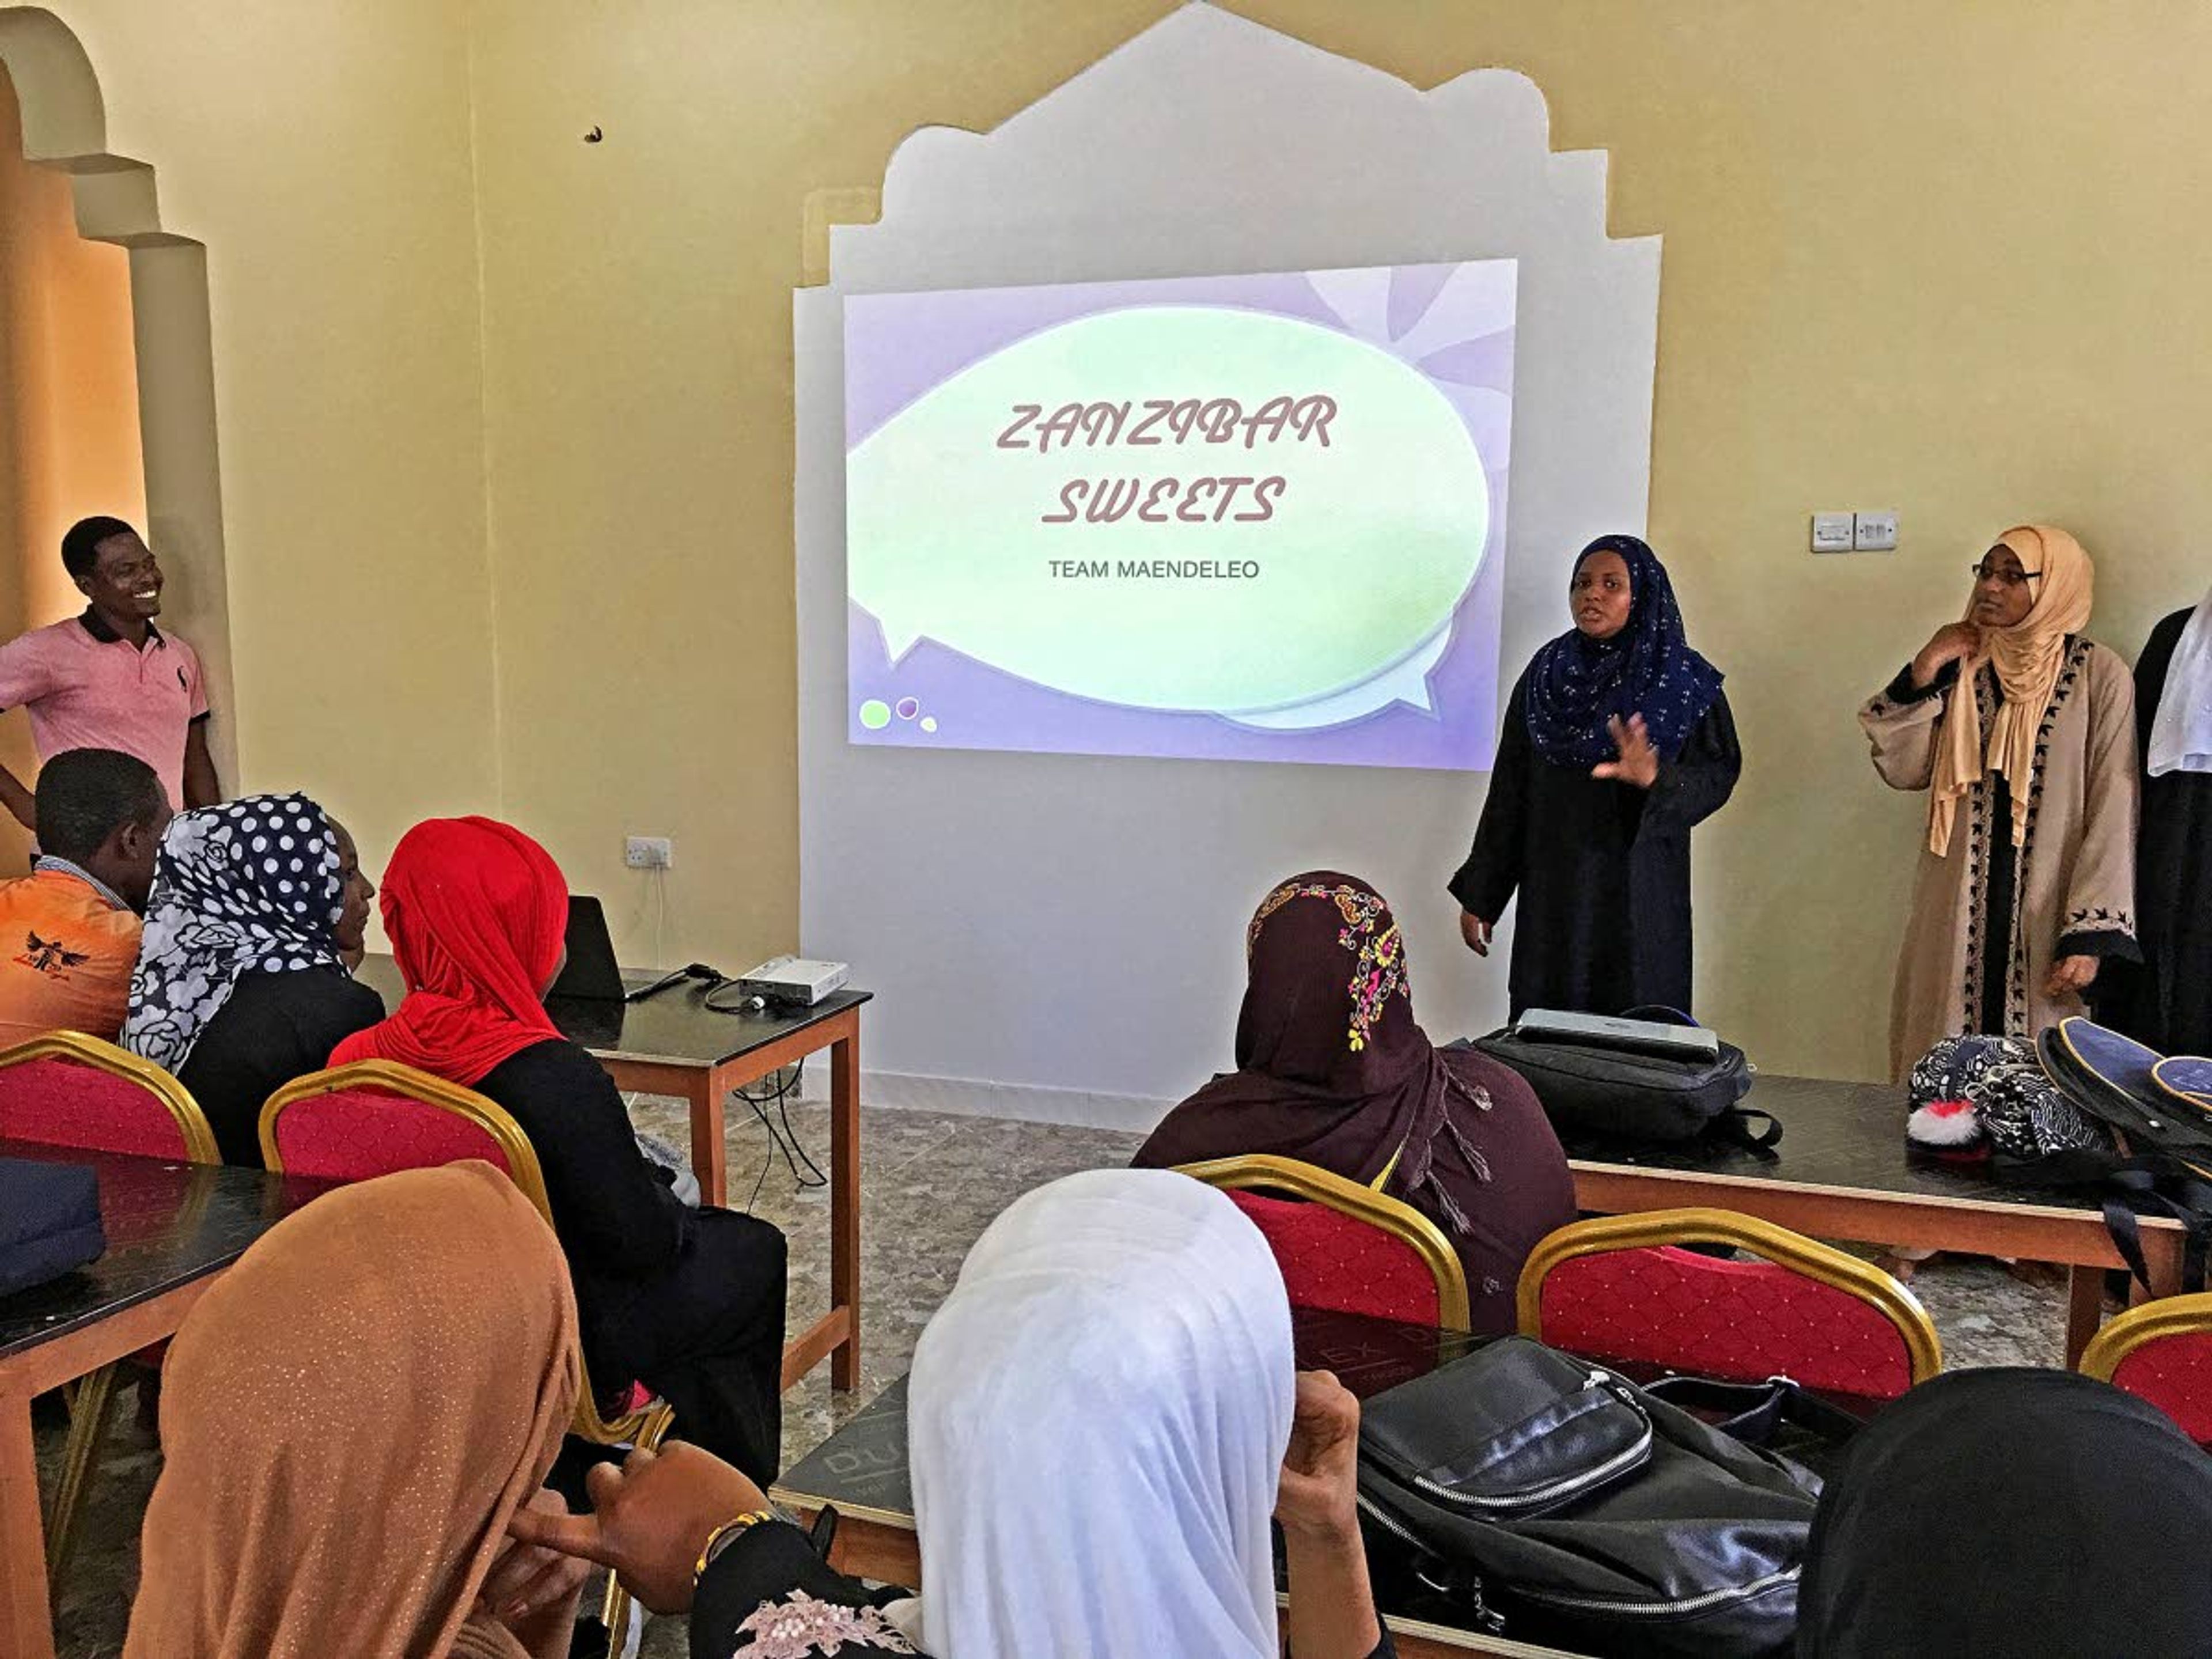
point(968, 1097)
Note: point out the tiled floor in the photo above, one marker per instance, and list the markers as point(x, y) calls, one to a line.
point(930, 1184)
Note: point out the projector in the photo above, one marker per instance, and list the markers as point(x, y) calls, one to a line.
point(793, 981)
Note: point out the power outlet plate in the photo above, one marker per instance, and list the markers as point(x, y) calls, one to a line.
point(649, 853)
point(1873, 532)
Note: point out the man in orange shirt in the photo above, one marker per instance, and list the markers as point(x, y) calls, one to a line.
point(68, 930)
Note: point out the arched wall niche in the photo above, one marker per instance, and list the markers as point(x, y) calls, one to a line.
point(64, 128)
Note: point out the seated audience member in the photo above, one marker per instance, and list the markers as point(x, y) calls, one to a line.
point(689, 1302)
point(1332, 1071)
point(350, 1418)
point(246, 980)
point(68, 930)
point(1103, 1416)
point(2011, 1513)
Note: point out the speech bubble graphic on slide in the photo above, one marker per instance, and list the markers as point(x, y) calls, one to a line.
point(1406, 682)
point(1376, 527)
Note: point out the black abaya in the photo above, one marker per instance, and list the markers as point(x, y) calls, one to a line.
point(1603, 868)
point(690, 1302)
point(2168, 1002)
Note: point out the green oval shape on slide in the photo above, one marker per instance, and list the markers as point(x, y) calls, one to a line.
point(1374, 538)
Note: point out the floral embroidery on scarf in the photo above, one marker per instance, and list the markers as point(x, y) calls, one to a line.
point(803, 1627)
point(1378, 972)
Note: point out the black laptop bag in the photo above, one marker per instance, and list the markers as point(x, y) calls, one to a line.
point(1597, 1086)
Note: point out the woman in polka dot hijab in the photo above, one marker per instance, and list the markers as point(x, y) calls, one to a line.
point(253, 886)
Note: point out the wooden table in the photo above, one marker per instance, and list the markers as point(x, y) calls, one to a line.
point(171, 1229)
point(862, 1468)
point(672, 1043)
point(1844, 1170)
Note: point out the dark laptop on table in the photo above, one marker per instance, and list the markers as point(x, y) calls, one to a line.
point(590, 973)
point(586, 1001)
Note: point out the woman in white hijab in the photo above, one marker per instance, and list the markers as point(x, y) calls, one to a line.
point(2167, 1003)
point(1104, 1414)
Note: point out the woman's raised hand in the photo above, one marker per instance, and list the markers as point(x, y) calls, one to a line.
point(1952, 643)
point(1639, 765)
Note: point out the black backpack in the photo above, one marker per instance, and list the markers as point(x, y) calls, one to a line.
point(2113, 1078)
point(1533, 1494)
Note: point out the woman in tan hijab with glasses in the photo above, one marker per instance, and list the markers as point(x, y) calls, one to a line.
point(349, 1419)
point(2023, 734)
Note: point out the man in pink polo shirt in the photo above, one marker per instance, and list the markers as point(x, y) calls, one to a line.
point(109, 679)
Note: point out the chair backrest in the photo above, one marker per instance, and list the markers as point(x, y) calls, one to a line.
point(64, 1088)
point(1623, 1289)
point(2161, 1352)
point(1344, 1246)
point(375, 1117)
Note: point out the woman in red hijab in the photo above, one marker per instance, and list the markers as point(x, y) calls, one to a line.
point(1332, 1071)
point(689, 1302)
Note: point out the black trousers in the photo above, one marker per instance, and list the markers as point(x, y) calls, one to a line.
point(706, 1335)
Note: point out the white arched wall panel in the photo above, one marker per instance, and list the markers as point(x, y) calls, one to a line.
point(1061, 937)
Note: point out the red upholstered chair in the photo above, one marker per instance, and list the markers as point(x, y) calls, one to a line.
point(2161, 1352)
point(1620, 1288)
point(376, 1117)
point(1344, 1246)
point(66, 1089)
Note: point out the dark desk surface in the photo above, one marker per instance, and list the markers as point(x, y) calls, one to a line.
point(672, 1028)
point(1837, 1134)
point(166, 1224)
point(863, 1465)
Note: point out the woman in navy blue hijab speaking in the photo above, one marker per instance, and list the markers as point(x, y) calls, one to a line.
point(1617, 740)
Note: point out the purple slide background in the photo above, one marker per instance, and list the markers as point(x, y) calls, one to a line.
point(897, 347)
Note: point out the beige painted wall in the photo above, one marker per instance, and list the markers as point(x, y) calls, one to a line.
point(321, 152)
point(1942, 256)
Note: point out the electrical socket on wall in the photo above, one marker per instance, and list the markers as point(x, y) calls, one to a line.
point(1873, 532)
point(1854, 532)
point(649, 853)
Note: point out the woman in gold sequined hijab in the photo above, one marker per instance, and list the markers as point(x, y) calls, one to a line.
point(348, 1420)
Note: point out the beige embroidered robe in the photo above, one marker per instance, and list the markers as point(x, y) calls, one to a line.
point(2073, 888)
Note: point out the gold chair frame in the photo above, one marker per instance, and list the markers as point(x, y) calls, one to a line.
point(192, 1122)
point(2138, 1327)
point(1823, 1263)
point(1258, 1171)
point(92, 1399)
point(647, 1426)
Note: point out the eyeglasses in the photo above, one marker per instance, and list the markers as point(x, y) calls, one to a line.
point(1984, 571)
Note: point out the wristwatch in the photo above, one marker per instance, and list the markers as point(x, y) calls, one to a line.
point(724, 1535)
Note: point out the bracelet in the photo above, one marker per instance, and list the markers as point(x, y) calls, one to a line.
point(723, 1536)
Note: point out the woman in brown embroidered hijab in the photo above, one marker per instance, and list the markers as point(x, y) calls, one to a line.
point(1332, 1071)
point(350, 1419)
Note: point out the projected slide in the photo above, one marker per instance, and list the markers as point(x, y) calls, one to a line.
point(1252, 518)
